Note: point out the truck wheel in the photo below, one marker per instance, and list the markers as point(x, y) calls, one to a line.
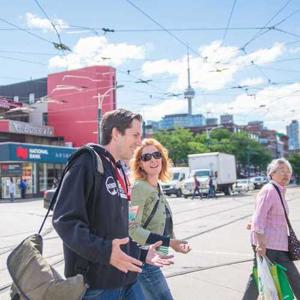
point(179, 193)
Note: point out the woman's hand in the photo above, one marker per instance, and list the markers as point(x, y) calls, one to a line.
point(156, 259)
point(261, 250)
point(180, 246)
point(261, 244)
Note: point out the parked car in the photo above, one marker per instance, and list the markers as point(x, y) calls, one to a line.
point(174, 186)
point(258, 181)
point(243, 185)
point(48, 194)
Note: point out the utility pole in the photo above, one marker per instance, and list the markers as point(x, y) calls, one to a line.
point(100, 99)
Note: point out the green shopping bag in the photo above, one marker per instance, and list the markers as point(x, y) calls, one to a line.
point(282, 284)
point(281, 281)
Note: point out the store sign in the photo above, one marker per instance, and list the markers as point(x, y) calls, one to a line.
point(5, 103)
point(42, 154)
point(10, 170)
point(26, 128)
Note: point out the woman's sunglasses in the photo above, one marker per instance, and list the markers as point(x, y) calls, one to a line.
point(148, 156)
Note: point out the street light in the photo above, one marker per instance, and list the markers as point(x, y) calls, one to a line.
point(208, 132)
point(100, 99)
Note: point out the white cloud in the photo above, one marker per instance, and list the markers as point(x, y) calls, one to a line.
point(274, 105)
point(262, 56)
point(214, 68)
point(252, 81)
point(34, 21)
point(97, 50)
point(295, 50)
point(171, 106)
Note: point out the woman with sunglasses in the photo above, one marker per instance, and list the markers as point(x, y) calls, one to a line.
point(153, 221)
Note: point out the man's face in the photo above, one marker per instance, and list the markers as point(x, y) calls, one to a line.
point(131, 139)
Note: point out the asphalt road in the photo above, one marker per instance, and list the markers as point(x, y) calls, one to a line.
point(217, 267)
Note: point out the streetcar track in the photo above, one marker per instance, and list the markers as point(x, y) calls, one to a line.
point(199, 269)
point(207, 206)
point(46, 257)
point(212, 214)
point(224, 224)
point(11, 247)
point(5, 287)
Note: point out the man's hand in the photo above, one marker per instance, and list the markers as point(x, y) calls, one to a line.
point(180, 246)
point(155, 259)
point(121, 260)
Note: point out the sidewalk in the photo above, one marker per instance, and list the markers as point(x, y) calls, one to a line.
point(19, 200)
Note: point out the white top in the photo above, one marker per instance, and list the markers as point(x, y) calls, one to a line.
point(11, 187)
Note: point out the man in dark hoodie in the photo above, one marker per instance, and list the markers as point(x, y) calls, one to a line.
point(91, 215)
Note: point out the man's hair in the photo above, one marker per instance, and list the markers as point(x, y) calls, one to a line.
point(120, 119)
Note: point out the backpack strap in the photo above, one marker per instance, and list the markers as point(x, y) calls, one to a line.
point(97, 161)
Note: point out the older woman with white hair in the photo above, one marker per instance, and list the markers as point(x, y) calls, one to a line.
point(269, 230)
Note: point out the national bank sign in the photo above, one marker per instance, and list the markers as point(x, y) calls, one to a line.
point(40, 154)
point(26, 128)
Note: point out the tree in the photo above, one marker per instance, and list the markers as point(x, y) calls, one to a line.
point(248, 152)
point(294, 159)
point(180, 142)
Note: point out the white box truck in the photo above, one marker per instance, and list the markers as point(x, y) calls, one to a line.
point(220, 166)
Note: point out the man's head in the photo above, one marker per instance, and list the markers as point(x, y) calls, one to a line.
point(121, 133)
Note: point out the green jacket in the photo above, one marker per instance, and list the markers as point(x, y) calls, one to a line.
point(145, 196)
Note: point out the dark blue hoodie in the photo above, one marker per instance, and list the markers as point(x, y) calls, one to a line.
point(89, 213)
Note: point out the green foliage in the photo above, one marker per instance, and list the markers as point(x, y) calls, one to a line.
point(181, 142)
point(294, 159)
point(178, 142)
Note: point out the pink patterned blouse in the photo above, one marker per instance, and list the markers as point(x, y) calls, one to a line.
point(269, 219)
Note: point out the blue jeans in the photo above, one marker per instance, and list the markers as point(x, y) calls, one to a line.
point(130, 292)
point(154, 284)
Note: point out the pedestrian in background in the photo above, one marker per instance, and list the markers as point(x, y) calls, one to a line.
point(11, 189)
point(23, 187)
point(54, 183)
point(211, 188)
point(154, 221)
point(196, 187)
point(269, 230)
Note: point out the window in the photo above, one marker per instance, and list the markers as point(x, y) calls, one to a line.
point(45, 118)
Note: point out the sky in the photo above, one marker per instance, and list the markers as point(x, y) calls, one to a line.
point(244, 55)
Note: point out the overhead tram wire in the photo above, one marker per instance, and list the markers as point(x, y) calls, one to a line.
point(96, 29)
point(27, 31)
point(22, 60)
point(27, 52)
point(137, 78)
point(228, 22)
point(186, 45)
point(274, 27)
point(261, 32)
point(61, 45)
